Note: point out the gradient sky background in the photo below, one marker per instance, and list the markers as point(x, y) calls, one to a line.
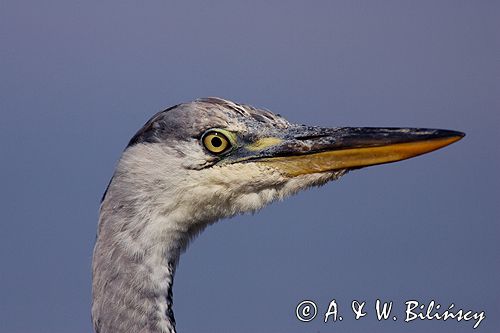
point(78, 78)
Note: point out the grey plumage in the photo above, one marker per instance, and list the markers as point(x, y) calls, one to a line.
point(188, 120)
point(168, 186)
point(122, 287)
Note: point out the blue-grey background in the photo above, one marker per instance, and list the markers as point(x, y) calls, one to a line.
point(78, 78)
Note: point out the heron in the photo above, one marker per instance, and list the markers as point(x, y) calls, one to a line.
point(198, 162)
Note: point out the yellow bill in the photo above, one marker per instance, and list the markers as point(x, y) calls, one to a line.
point(352, 148)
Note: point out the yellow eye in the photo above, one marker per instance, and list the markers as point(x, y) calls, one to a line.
point(216, 142)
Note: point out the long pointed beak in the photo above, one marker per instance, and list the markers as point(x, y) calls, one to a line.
point(307, 150)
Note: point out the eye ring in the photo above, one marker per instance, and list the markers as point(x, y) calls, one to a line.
point(216, 142)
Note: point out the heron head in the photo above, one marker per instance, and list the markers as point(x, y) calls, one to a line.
point(197, 162)
point(213, 158)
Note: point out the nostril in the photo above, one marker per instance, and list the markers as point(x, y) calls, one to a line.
point(311, 137)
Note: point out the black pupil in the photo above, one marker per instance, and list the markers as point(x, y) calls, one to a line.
point(216, 142)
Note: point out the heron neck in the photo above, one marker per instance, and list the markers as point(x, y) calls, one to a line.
point(133, 273)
